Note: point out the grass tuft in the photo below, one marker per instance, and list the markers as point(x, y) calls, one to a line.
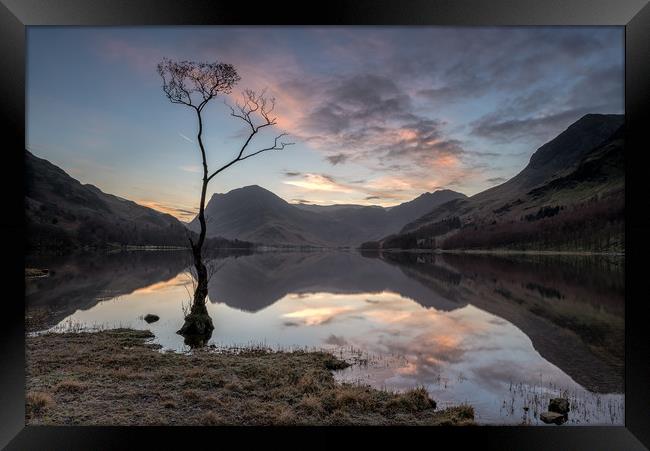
point(37, 402)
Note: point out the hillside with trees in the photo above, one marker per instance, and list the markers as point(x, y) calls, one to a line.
point(570, 197)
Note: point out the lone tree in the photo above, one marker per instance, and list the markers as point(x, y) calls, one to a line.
point(194, 85)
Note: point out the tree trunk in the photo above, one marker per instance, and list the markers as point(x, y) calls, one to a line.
point(201, 292)
point(198, 326)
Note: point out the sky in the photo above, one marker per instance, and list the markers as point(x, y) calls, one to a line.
point(377, 115)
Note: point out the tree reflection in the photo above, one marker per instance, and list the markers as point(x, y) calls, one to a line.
point(197, 333)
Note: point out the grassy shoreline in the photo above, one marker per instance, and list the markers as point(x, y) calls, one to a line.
point(116, 377)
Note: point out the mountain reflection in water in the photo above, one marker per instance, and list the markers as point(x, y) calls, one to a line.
point(499, 333)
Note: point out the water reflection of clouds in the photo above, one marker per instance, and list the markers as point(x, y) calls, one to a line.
point(470, 352)
point(430, 339)
point(318, 316)
point(180, 280)
point(497, 373)
point(320, 308)
point(336, 340)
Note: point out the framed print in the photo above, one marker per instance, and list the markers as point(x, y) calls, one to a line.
point(415, 218)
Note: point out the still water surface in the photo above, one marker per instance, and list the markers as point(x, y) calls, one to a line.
point(500, 333)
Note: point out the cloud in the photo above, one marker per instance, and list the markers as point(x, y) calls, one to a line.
point(496, 180)
point(301, 201)
point(191, 168)
point(182, 213)
point(354, 114)
point(540, 114)
point(370, 120)
point(189, 140)
point(544, 127)
point(387, 190)
point(337, 159)
point(452, 93)
point(318, 182)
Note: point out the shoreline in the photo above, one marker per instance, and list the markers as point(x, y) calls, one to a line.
point(343, 249)
point(118, 377)
point(499, 252)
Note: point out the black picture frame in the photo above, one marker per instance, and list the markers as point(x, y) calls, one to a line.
point(634, 15)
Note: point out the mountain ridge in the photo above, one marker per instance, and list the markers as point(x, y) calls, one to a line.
point(255, 214)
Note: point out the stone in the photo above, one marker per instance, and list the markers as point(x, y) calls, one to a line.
point(151, 318)
point(553, 418)
point(559, 405)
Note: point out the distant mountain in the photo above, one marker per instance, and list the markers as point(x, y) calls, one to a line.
point(62, 213)
point(569, 196)
point(255, 214)
point(376, 220)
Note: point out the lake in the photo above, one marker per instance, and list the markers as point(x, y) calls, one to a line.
point(502, 333)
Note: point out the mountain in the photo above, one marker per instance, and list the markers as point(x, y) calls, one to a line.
point(373, 222)
point(62, 213)
point(255, 214)
point(561, 155)
point(569, 196)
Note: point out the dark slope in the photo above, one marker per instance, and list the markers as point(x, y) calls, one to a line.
point(61, 212)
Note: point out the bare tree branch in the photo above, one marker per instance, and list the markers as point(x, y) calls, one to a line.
point(275, 146)
point(255, 110)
